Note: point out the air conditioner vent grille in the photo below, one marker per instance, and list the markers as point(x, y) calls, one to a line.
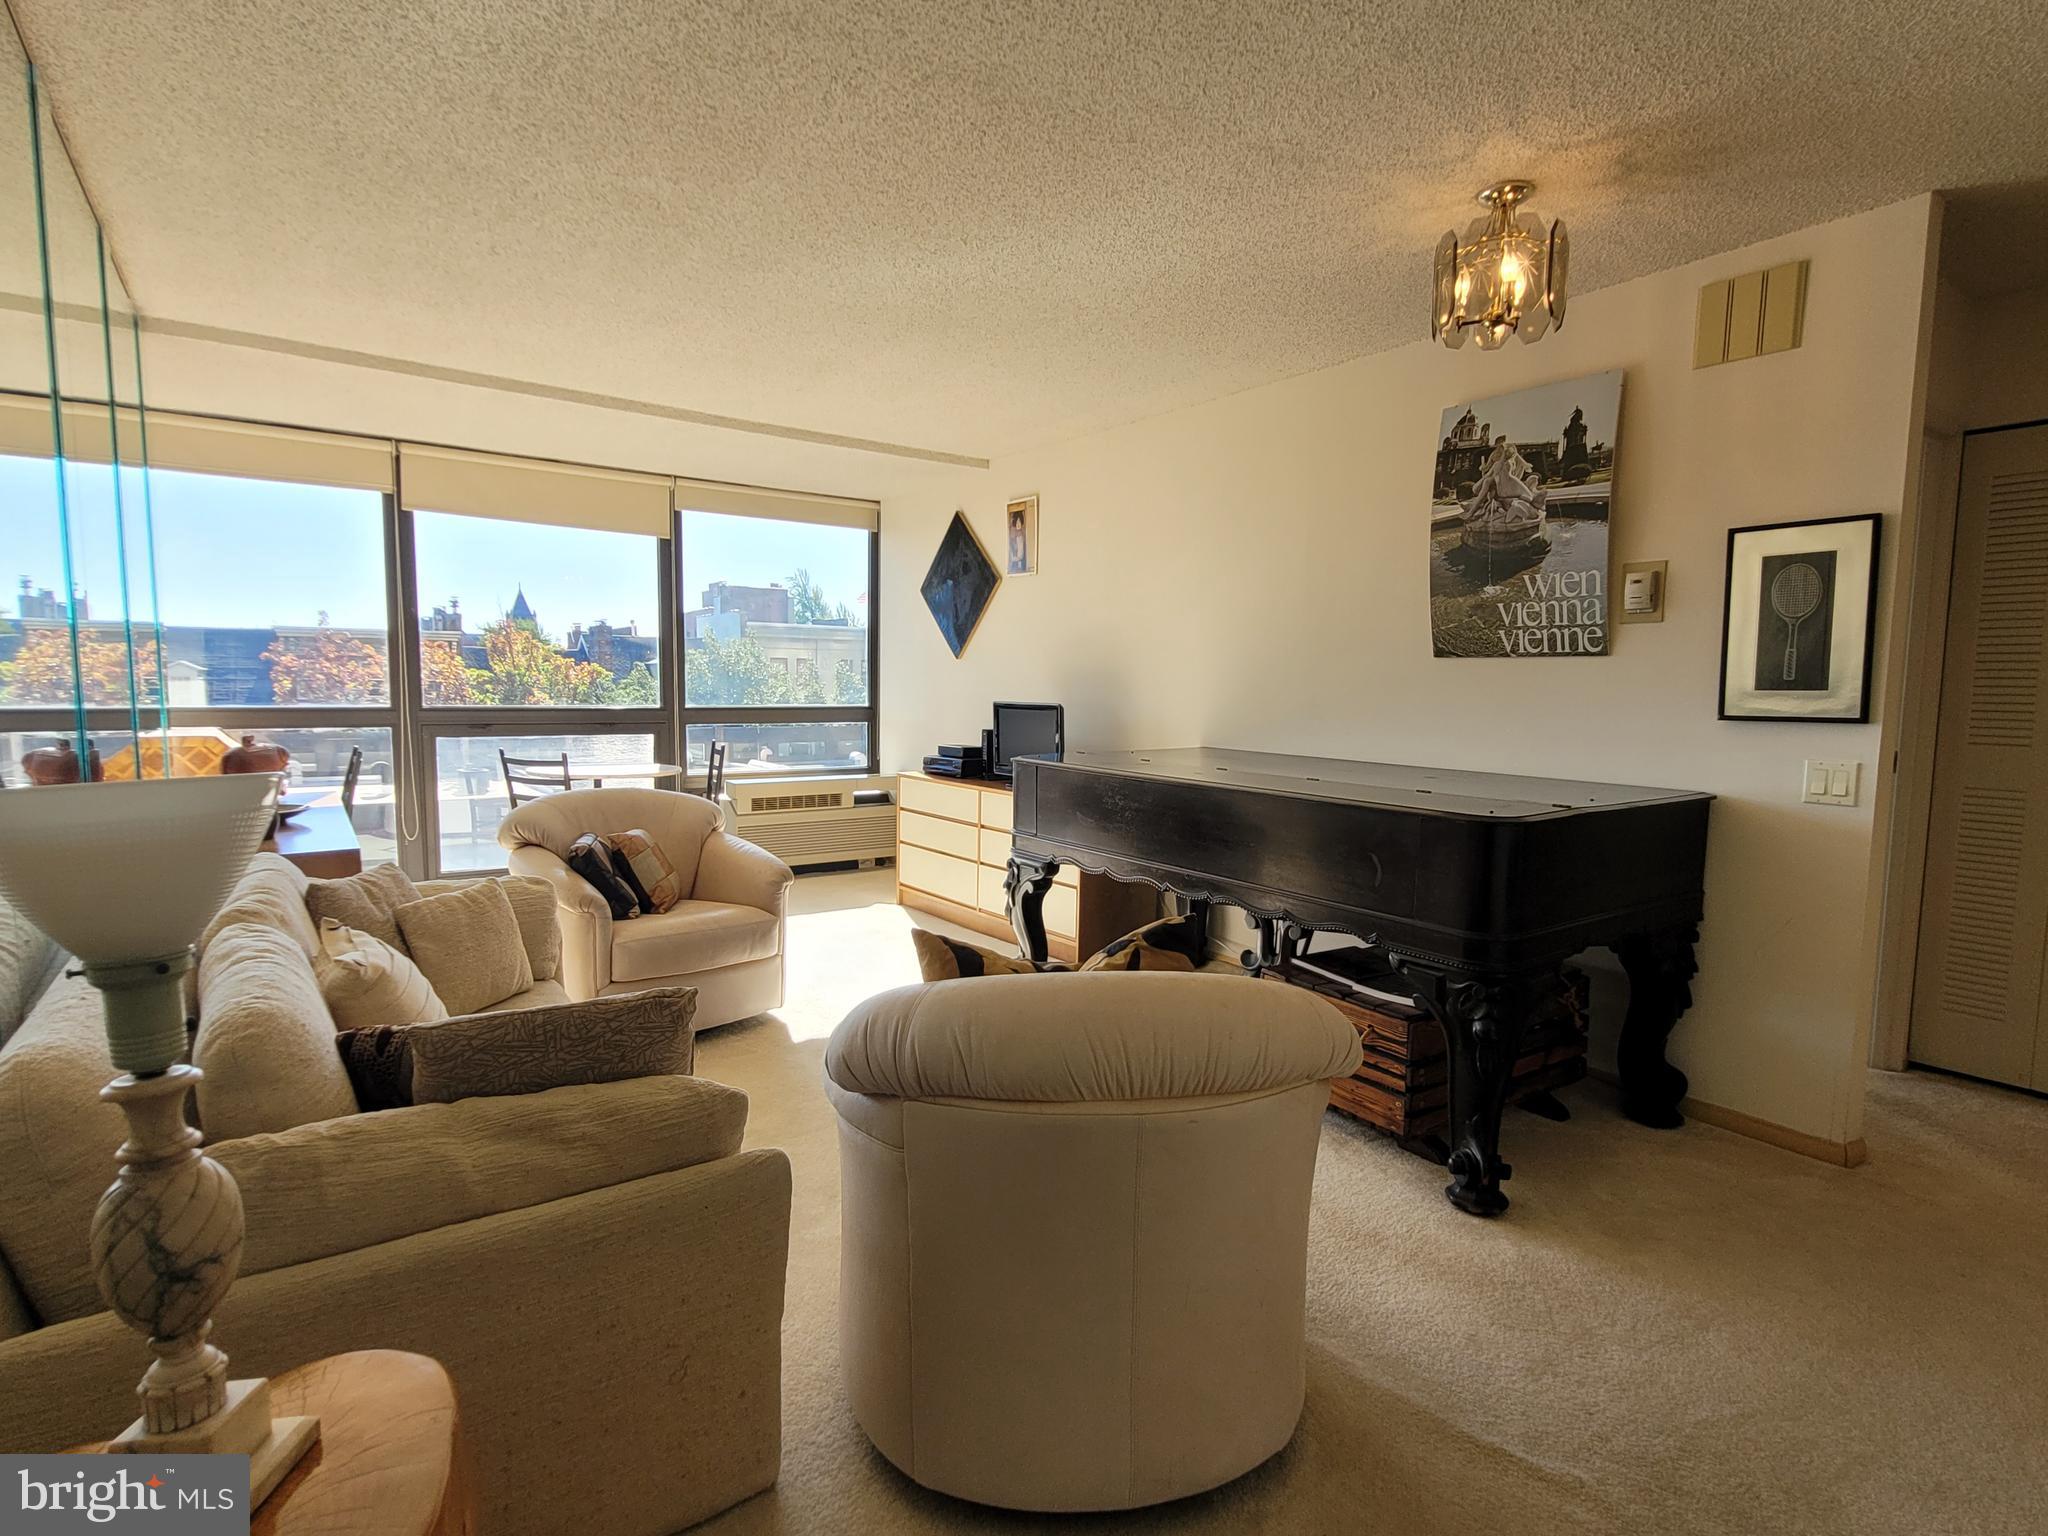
point(816, 801)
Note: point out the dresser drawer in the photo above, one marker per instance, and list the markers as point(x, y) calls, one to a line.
point(994, 900)
point(997, 809)
point(957, 802)
point(953, 837)
point(955, 879)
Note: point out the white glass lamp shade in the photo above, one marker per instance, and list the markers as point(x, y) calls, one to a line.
point(129, 871)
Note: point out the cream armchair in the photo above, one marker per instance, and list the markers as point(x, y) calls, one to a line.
point(725, 938)
point(1074, 1228)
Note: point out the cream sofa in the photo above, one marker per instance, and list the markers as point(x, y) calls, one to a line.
point(1074, 1228)
point(725, 938)
point(600, 1268)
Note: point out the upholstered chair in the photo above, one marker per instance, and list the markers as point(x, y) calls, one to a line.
point(725, 937)
point(1074, 1228)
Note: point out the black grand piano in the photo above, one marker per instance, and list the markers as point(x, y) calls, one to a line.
point(1477, 887)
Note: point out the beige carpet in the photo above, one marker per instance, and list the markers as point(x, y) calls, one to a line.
point(1685, 1331)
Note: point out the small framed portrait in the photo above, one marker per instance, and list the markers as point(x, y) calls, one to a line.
point(1797, 618)
point(1020, 537)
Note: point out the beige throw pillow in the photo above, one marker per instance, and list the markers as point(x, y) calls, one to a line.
point(367, 902)
point(467, 942)
point(540, 930)
point(366, 982)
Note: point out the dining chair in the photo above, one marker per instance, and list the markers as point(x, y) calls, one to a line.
point(714, 772)
point(353, 772)
point(535, 775)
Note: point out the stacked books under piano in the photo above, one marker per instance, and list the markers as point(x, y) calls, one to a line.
point(1402, 1087)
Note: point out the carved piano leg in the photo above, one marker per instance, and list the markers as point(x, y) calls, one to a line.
point(1262, 959)
point(1660, 970)
point(1025, 884)
point(1482, 1019)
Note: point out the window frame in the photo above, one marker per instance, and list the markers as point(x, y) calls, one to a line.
point(868, 714)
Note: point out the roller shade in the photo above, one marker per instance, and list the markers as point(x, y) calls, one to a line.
point(790, 506)
point(199, 444)
point(25, 425)
point(532, 491)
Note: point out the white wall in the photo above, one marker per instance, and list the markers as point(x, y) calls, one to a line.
point(1251, 572)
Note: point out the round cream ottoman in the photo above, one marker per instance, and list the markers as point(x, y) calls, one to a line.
point(1074, 1228)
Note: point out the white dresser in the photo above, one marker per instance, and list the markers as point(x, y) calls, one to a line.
point(953, 847)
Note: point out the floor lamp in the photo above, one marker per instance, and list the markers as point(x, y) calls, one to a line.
point(126, 876)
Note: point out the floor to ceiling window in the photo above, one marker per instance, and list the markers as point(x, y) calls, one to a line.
point(541, 595)
point(437, 612)
point(777, 639)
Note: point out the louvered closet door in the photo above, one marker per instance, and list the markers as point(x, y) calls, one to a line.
point(1984, 924)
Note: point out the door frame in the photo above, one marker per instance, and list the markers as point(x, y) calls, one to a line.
point(1916, 709)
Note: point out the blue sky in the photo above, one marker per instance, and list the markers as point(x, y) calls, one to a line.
point(254, 553)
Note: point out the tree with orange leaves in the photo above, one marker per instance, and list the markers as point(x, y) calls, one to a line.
point(526, 669)
point(330, 666)
point(41, 670)
point(444, 680)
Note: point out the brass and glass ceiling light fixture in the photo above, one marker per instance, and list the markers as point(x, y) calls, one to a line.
point(1504, 277)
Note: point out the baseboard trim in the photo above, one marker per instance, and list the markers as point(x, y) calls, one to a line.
point(1843, 1154)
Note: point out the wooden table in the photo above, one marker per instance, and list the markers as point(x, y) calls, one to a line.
point(321, 842)
point(390, 1460)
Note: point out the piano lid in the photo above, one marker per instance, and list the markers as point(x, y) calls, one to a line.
point(1445, 791)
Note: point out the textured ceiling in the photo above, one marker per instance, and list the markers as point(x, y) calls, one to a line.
point(970, 226)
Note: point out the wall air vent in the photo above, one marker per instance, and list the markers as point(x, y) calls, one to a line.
point(1751, 315)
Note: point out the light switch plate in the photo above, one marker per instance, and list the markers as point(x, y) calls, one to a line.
point(1830, 783)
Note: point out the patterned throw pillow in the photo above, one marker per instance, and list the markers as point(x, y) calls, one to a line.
point(528, 1050)
point(943, 959)
point(379, 1063)
point(590, 856)
point(646, 870)
point(1170, 944)
point(467, 941)
point(365, 982)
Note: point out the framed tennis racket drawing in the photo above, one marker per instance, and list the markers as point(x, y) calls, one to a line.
point(1796, 621)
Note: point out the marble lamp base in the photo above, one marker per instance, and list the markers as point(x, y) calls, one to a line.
point(243, 1428)
point(166, 1244)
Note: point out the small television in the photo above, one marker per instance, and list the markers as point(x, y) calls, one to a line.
point(1026, 730)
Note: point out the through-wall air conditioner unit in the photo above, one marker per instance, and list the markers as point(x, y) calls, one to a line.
point(808, 821)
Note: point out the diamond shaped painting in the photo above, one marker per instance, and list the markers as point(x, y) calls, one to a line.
point(960, 583)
